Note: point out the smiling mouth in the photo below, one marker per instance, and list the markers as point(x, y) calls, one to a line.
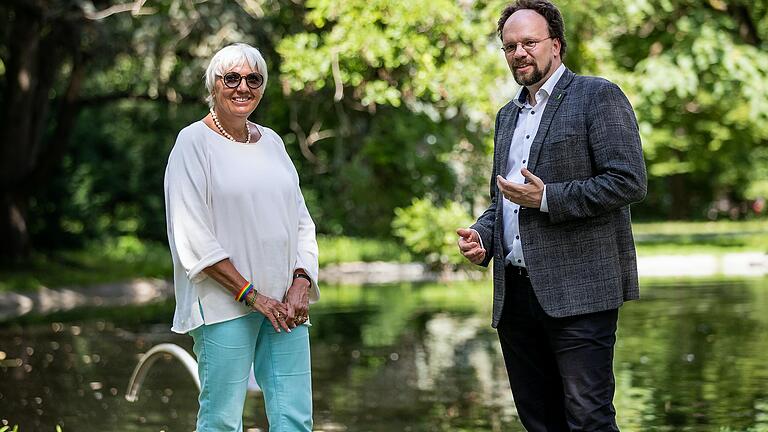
point(242, 98)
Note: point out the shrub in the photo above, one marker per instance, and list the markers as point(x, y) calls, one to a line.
point(429, 231)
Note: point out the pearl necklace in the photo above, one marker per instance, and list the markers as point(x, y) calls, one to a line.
point(225, 133)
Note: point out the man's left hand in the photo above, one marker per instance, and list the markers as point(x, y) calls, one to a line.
point(526, 195)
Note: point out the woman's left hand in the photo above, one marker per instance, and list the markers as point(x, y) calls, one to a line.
point(297, 301)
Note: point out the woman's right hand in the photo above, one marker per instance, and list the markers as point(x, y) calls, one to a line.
point(274, 310)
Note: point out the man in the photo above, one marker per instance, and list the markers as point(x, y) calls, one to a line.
point(567, 164)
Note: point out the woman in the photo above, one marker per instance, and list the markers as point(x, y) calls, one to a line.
point(244, 253)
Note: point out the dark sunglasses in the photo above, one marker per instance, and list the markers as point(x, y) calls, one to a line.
point(253, 80)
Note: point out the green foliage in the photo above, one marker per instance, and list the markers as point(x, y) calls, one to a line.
point(406, 87)
point(380, 101)
point(429, 231)
point(695, 73)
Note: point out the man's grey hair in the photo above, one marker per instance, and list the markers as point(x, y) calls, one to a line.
point(230, 57)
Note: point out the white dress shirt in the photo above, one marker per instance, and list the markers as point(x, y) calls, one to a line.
point(525, 131)
point(238, 201)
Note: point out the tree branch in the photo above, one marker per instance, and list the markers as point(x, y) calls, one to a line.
point(136, 8)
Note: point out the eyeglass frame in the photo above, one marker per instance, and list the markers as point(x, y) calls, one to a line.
point(240, 80)
point(508, 47)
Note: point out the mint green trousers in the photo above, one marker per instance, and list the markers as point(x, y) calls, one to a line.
point(281, 365)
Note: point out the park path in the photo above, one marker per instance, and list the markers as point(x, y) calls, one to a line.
point(142, 291)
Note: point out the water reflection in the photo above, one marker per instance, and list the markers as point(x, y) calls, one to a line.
point(690, 357)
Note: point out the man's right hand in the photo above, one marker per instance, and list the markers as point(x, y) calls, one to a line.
point(469, 245)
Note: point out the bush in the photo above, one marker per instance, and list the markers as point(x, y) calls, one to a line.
point(429, 231)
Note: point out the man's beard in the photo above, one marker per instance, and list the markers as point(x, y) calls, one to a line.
point(535, 76)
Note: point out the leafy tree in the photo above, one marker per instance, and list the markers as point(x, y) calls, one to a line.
point(379, 102)
point(695, 73)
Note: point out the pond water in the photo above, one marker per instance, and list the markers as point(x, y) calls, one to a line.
point(691, 356)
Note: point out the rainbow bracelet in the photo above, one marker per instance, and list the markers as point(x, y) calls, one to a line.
point(244, 291)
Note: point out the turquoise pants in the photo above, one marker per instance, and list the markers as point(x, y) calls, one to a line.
point(225, 352)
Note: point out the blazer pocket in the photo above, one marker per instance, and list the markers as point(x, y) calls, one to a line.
point(565, 159)
point(587, 225)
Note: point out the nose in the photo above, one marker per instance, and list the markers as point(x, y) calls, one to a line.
point(243, 87)
point(519, 51)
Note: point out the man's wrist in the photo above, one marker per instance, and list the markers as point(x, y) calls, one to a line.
point(479, 238)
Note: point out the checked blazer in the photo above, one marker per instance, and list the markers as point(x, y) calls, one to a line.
point(581, 254)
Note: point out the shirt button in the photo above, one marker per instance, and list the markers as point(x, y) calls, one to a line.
point(517, 237)
point(533, 112)
point(519, 261)
point(527, 137)
point(523, 160)
point(515, 211)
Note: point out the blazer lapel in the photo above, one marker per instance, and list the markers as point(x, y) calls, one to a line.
point(557, 96)
point(507, 126)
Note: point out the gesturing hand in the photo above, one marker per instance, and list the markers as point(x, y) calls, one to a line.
point(297, 302)
point(469, 245)
point(276, 312)
point(526, 195)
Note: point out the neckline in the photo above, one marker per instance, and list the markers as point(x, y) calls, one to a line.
point(237, 143)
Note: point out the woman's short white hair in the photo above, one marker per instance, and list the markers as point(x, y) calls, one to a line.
point(230, 57)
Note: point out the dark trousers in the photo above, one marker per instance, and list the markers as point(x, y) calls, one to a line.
point(560, 369)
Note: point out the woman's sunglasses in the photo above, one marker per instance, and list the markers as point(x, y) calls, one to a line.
point(253, 80)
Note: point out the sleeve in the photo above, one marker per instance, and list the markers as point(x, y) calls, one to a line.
point(486, 223)
point(307, 251)
point(620, 177)
point(190, 224)
point(544, 207)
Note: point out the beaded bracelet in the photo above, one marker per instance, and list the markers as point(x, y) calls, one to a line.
point(244, 291)
point(252, 300)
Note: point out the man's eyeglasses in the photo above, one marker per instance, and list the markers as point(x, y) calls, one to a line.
point(528, 45)
point(253, 80)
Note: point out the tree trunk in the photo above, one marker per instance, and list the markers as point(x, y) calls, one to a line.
point(15, 145)
point(37, 48)
point(14, 237)
point(680, 197)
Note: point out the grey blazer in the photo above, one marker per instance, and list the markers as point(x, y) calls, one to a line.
point(581, 255)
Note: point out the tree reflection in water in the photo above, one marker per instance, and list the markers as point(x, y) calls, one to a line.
point(418, 357)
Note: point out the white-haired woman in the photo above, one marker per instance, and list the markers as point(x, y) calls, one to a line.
point(244, 253)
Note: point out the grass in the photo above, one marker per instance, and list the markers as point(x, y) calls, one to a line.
point(120, 259)
point(335, 250)
point(685, 238)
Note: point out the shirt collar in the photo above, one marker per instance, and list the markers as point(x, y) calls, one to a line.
point(548, 87)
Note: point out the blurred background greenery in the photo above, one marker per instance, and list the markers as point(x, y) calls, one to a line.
point(386, 108)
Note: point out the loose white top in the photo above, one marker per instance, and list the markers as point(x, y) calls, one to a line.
point(239, 201)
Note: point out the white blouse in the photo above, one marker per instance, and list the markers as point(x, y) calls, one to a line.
point(239, 201)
